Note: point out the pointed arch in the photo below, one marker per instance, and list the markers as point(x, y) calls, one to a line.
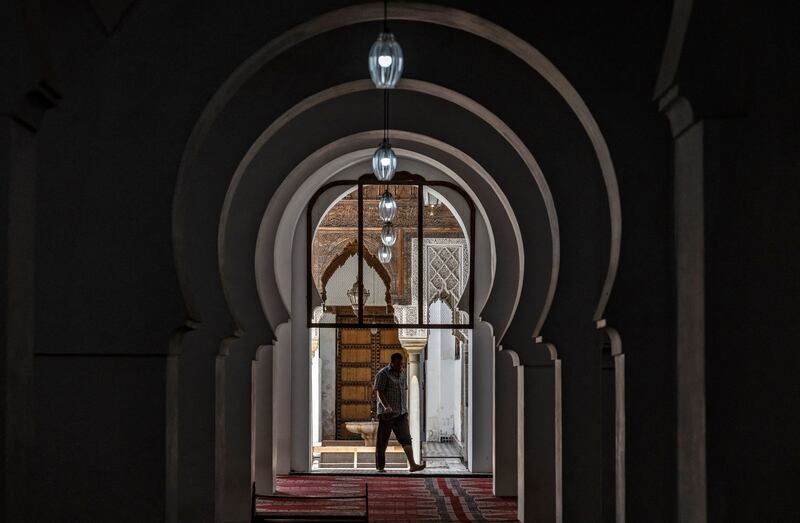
point(351, 249)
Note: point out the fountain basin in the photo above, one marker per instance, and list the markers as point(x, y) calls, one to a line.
point(368, 430)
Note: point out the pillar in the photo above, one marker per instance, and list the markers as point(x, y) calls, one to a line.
point(690, 324)
point(414, 348)
point(539, 484)
point(504, 455)
point(481, 399)
point(327, 355)
point(614, 434)
point(282, 400)
point(316, 408)
point(262, 419)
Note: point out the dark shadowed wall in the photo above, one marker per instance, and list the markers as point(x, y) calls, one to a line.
point(99, 102)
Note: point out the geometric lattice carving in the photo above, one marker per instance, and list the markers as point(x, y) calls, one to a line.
point(444, 269)
point(445, 272)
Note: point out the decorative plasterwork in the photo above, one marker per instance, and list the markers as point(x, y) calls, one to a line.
point(445, 270)
point(352, 250)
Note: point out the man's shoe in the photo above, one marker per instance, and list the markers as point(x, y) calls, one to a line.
point(380, 470)
point(417, 468)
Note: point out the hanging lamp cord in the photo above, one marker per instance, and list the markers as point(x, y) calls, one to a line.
point(386, 115)
point(386, 90)
point(386, 120)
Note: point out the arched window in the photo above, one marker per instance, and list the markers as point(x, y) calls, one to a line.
point(433, 254)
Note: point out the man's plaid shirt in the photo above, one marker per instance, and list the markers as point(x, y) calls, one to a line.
point(393, 385)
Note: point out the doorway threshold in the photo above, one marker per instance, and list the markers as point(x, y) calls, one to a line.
point(443, 467)
point(428, 472)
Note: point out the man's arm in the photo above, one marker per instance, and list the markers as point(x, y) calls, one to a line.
point(384, 402)
point(380, 385)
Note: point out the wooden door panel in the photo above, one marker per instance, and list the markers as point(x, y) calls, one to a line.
point(390, 337)
point(356, 411)
point(356, 337)
point(359, 356)
point(356, 374)
point(361, 393)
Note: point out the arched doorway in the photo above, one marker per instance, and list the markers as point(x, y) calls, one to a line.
point(432, 258)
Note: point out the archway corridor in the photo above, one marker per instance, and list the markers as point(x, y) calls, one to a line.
point(223, 219)
point(366, 311)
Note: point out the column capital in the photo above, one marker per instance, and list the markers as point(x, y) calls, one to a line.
point(413, 345)
point(541, 354)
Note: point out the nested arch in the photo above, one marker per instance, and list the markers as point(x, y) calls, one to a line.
point(546, 262)
point(196, 213)
point(425, 13)
point(350, 250)
point(433, 158)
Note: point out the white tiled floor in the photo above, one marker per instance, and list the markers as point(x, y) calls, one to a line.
point(431, 449)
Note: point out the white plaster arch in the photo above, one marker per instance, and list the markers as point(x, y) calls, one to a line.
point(457, 215)
point(445, 195)
point(289, 201)
point(290, 213)
point(430, 89)
point(362, 156)
point(292, 394)
point(417, 12)
point(332, 204)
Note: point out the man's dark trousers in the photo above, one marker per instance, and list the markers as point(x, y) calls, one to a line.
point(386, 425)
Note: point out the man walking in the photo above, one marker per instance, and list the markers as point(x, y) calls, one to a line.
point(391, 388)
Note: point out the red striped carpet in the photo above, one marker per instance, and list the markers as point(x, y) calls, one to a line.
point(394, 498)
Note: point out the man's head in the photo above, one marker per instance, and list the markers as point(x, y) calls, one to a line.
point(396, 362)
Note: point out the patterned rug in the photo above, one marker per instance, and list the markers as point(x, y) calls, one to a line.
point(393, 498)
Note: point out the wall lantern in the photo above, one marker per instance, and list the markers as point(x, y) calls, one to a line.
point(352, 295)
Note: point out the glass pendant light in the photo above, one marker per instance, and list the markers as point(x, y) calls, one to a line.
point(384, 254)
point(385, 69)
point(388, 234)
point(384, 162)
point(387, 207)
point(385, 61)
point(385, 56)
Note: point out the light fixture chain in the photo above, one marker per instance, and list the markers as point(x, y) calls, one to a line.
point(386, 115)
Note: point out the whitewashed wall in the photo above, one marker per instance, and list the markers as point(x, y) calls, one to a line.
point(442, 378)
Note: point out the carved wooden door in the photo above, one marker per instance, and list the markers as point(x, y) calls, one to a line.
point(359, 356)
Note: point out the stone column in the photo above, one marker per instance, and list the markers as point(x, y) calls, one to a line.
point(480, 411)
point(504, 429)
point(539, 483)
point(414, 348)
point(316, 408)
point(262, 419)
point(688, 163)
point(327, 370)
point(690, 325)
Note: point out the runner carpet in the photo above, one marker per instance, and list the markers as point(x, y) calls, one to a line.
point(392, 498)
